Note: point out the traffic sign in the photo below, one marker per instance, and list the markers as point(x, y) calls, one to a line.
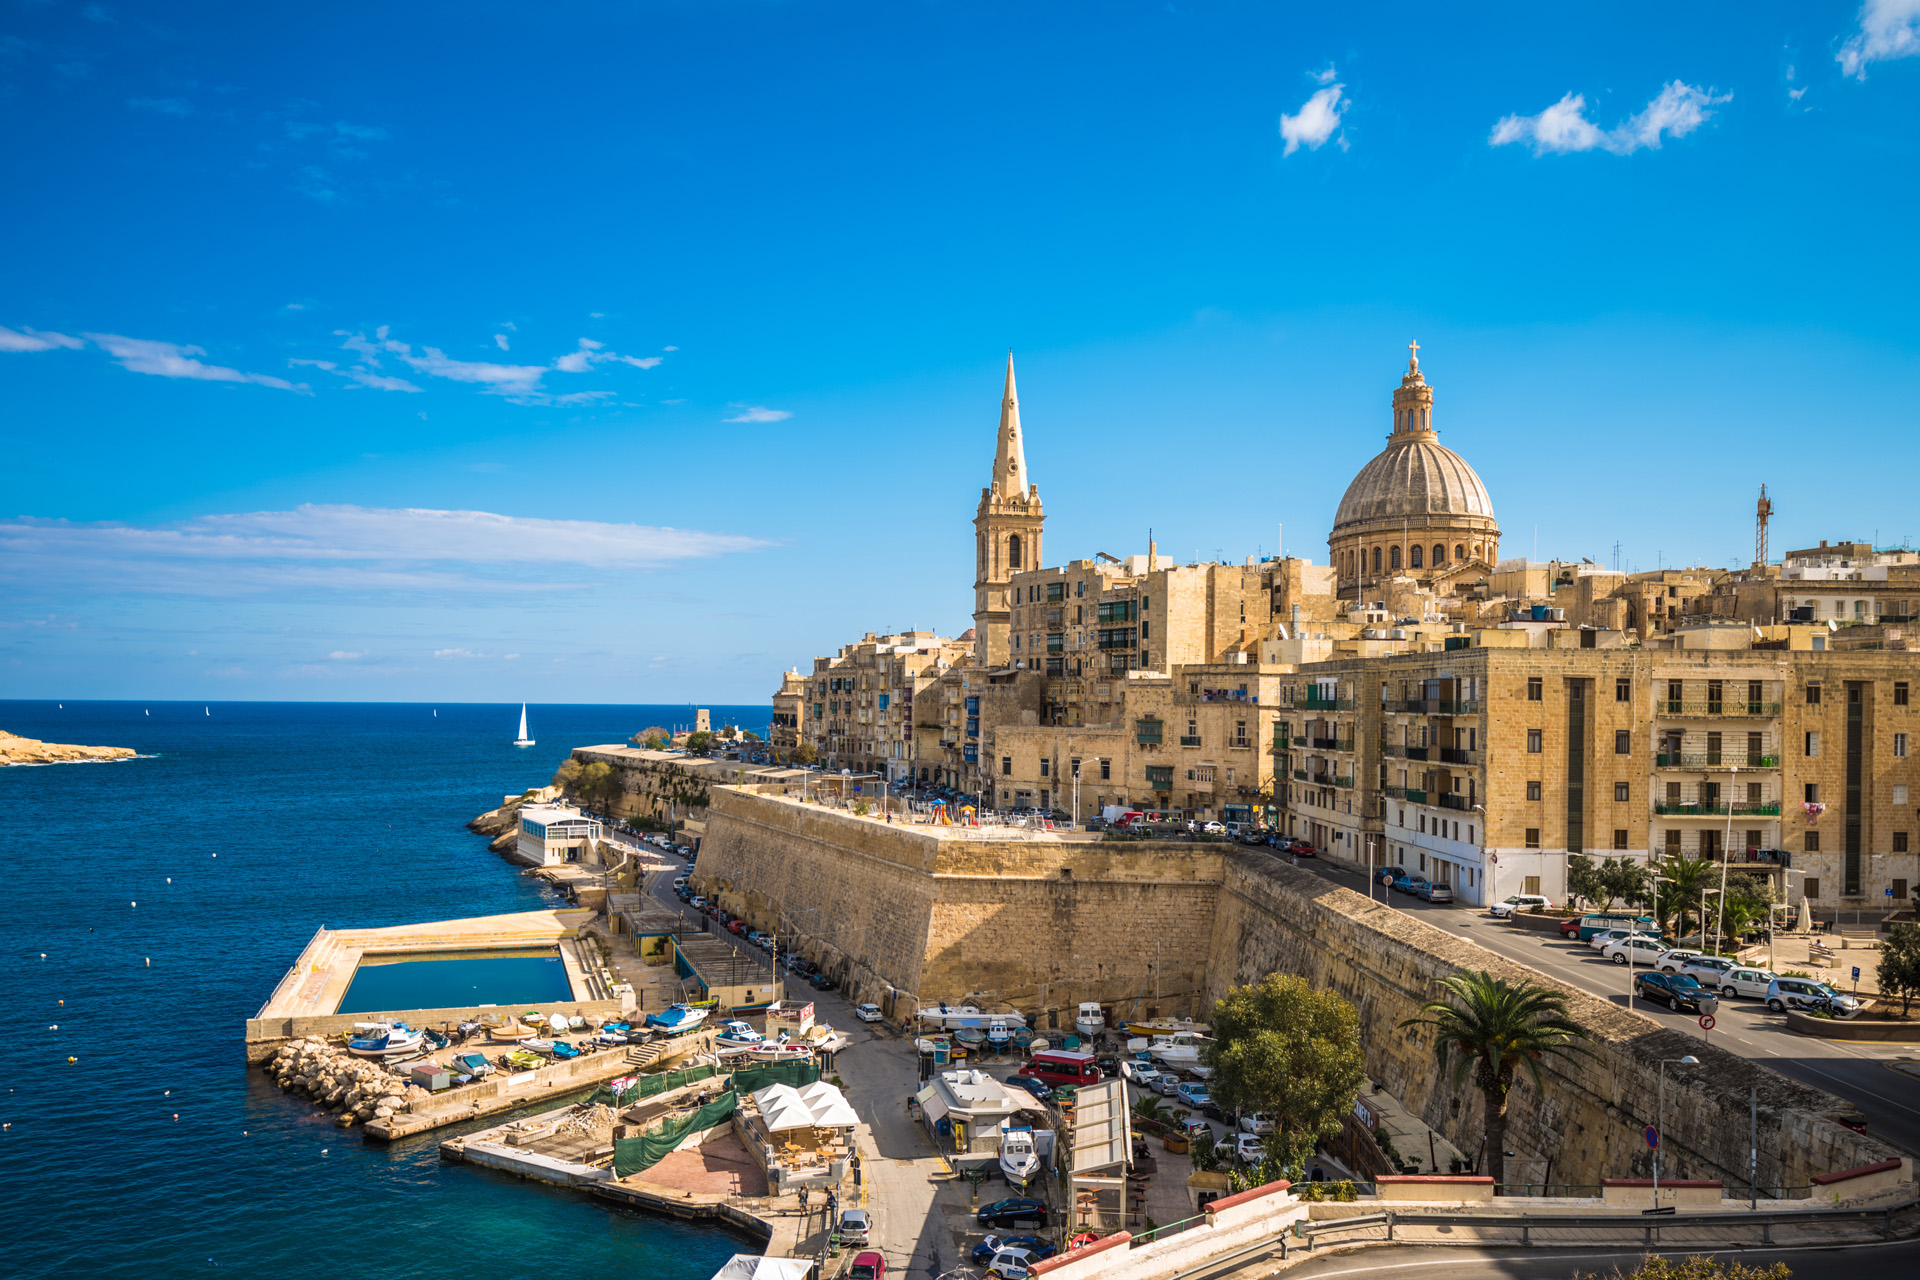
point(1856, 973)
point(1706, 1022)
point(1653, 1136)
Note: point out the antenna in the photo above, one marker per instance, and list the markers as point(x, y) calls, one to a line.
point(1616, 557)
point(1761, 512)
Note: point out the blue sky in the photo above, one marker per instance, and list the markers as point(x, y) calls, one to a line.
point(634, 352)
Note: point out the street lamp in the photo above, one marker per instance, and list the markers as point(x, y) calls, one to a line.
point(1660, 1115)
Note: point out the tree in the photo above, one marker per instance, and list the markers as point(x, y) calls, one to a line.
point(1681, 897)
point(805, 753)
point(748, 735)
point(1585, 880)
point(1695, 1267)
point(564, 776)
point(1900, 965)
point(1291, 1051)
point(653, 736)
point(1625, 879)
point(700, 742)
point(1492, 1028)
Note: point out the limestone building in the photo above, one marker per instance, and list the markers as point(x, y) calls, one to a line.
point(1007, 530)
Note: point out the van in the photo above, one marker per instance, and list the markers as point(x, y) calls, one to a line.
point(1599, 923)
point(1063, 1066)
point(680, 882)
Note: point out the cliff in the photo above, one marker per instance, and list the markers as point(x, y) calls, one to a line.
point(18, 750)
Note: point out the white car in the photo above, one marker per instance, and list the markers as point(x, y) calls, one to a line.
point(1645, 950)
point(1139, 1072)
point(1249, 1148)
point(1743, 981)
point(1600, 940)
point(1257, 1123)
point(1011, 1264)
point(1519, 902)
point(1710, 970)
point(1214, 828)
point(1670, 961)
point(867, 1012)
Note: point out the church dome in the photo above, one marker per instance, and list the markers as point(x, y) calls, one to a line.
point(1414, 478)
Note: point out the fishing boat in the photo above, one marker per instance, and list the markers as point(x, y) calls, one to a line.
point(998, 1035)
point(564, 1051)
point(677, 1018)
point(780, 1051)
point(1089, 1021)
point(384, 1040)
point(1023, 1039)
point(473, 1064)
point(522, 1060)
point(514, 1031)
point(1180, 1049)
point(735, 1034)
point(1162, 1026)
point(1018, 1159)
point(947, 1017)
point(973, 1037)
point(437, 1039)
point(523, 740)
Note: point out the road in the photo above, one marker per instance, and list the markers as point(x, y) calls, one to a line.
point(1859, 1073)
point(1895, 1260)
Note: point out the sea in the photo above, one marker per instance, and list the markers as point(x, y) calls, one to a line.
point(152, 905)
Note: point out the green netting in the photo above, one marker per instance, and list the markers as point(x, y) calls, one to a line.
point(648, 1086)
point(754, 1079)
point(635, 1155)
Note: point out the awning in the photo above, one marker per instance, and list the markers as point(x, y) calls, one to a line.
point(932, 1103)
point(1022, 1100)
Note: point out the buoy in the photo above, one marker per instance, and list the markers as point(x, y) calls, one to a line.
point(54, 1027)
point(176, 1117)
point(169, 879)
point(324, 1150)
point(63, 1003)
point(216, 855)
point(167, 1094)
point(43, 955)
point(149, 961)
point(133, 904)
point(72, 1059)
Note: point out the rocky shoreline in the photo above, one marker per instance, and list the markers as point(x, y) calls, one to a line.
point(354, 1089)
point(17, 750)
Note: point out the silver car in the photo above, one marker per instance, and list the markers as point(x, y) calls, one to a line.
point(1743, 981)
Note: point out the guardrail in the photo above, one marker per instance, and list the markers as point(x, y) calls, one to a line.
point(1647, 1224)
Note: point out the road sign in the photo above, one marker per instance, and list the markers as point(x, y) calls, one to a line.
point(1856, 973)
point(1706, 1022)
point(1653, 1136)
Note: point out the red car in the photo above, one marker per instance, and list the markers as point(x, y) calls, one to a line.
point(737, 926)
point(868, 1266)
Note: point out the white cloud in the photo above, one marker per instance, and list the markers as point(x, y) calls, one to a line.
point(1317, 119)
point(35, 340)
point(1889, 29)
point(162, 106)
point(1678, 110)
point(520, 383)
point(1326, 77)
point(344, 548)
point(500, 341)
point(758, 413)
point(171, 360)
point(344, 655)
point(459, 653)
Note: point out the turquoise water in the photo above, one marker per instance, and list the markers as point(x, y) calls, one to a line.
point(97, 1177)
point(516, 981)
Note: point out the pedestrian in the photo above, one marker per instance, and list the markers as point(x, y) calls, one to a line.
point(803, 1201)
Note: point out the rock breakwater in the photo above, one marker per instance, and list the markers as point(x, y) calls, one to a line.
point(353, 1089)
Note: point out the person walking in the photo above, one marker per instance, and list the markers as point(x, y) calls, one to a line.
point(803, 1202)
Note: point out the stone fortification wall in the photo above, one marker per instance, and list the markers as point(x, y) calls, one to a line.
point(1590, 1118)
point(905, 909)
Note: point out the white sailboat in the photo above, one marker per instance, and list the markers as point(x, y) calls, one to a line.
point(523, 740)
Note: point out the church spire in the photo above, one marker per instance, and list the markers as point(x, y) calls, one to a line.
point(1010, 456)
point(1413, 401)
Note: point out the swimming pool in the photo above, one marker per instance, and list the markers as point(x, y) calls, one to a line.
point(456, 980)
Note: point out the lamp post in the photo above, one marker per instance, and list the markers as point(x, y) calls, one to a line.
point(1660, 1116)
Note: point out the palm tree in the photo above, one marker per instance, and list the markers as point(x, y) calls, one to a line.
point(1493, 1027)
point(1685, 876)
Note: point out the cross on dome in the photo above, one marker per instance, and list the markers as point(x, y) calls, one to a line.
point(1413, 359)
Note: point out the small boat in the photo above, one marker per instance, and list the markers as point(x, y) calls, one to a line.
point(775, 1051)
point(563, 1051)
point(735, 1034)
point(1018, 1160)
point(437, 1039)
point(522, 1060)
point(605, 1036)
point(538, 1044)
point(468, 1030)
point(973, 1037)
point(514, 1031)
point(1162, 1026)
point(523, 740)
point(1089, 1021)
point(384, 1040)
point(947, 1016)
point(709, 1004)
point(677, 1018)
point(1180, 1049)
point(473, 1064)
point(1023, 1039)
point(998, 1036)
point(575, 1022)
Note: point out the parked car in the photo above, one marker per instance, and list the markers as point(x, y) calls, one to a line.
point(1600, 940)
point(1011, 1264)
point(1140, 1073)
point(1743, 981)
point(1013, 1212)
point(1257, 1123)
point(1249, 1148)
point(1675, 990)
point(1213, 828)
point(1642, 948)
point(1520, 902)
point(1038, 1088)
point(1669, 961)
point(992, 1244)
point(1304, 849)
point(820, 982)
point(867, 1012)
point(1193, 1093)
point(855, 1226)
point(1166, 1085)
point(1805, 993)
point(1402, 882)
point(1709, 971)
point(1435, 892)
point(867, 1265)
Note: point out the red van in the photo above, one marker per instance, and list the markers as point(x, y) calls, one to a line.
point(1063, 1066)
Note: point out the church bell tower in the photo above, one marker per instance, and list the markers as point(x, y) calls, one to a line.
point(1006, 535)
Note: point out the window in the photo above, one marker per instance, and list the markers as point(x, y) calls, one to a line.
point(1813, 793)
point(1813, 743)
point(1530, 884)
point(1899, 846)
point(1533, 791)
point(1044, 765)
point(1623, 742)
point(1533, 742)
point(1672, 839)
point(1899, 793)
point(1813, 885)
point(1439, 555)
point(1623, 691)
point(1414, 557)
point(1899, 745)
point(1900, 693)
point(1535, 690)
point(1899, 890)
point(1146, 629)
point(1376, 559)
point(1013, 551)
point(1620, 792)
point(1533, 837)
point(1006, 764)
point(1812, 846)
point(1813, 695)
point(1106, 770)
point(1619, 837)
point(1459, 551)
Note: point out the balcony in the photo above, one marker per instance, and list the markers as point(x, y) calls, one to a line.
point(1715, 760)
point(1189, 740)
point(1451, 801)
point(1315, 702)
point(1334, 744)
point(1300, 775)
point(1415, 794)
point(1147, 732)
point(1458, 755)
point(1718, 810)
point(1673, 707)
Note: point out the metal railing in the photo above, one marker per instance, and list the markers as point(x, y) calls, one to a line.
point(1705, 707)
point(1450, 801)
point(1314, 703)
point(1189, 740)
point(1459, 755)
point(1718, 810)
point(1715, 760)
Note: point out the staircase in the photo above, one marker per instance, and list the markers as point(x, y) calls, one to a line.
point(642, 1056)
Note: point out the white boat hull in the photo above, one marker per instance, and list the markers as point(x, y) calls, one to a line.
point(1021, 1173)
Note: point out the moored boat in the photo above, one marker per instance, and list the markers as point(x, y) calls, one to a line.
point(998, 1034)
point(1089, 1021)
point(384, 1040)
point(1018, 1159)
point(780, 1051)
point(735, 1034)
point(677, 1018)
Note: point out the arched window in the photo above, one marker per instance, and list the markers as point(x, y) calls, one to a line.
point(1376, 559)
point(1459, 552)
point(1413, 557)
point(1393, 559)
point(1439, 555)
point(1013, 551)
point(1476, 551)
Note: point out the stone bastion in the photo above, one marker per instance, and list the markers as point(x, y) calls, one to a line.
point(906, 915)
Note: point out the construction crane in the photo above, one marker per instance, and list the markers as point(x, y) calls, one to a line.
point(1760, 514)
